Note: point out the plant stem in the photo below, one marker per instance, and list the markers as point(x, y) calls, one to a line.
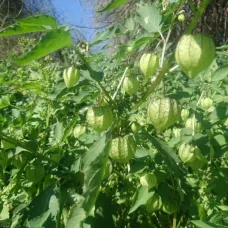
point(120, 83)
point(81, 57)
point(164, 48)
point(174, 220)
point(158, 79)
point(197, 15)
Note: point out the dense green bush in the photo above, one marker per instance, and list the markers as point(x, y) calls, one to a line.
point(55, 165)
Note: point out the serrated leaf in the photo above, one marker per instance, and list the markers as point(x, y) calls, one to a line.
point(220, 74)
point(50, 42)
point(149, 17)
point(40, 23)
point(4, 101)
point(103, 35)
point(130, 24)
point(112, 5)
point(39, 221)
point(40, 204)
point(142, 197)
point(93, 167)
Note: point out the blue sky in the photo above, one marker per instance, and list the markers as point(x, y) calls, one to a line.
point(76, 14)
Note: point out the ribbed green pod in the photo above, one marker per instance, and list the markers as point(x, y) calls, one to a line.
point(194, 53)
point(130, 84)
point(123, 149)
point(99, 118)
point(149, 64)
point(163, 112)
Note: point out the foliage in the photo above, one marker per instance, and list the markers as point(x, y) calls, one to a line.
point(55, 168)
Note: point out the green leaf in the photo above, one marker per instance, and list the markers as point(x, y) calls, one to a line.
point(201, 224)
point(69, 129)
point(93, 167)
point(103, 35)
point(142, 195)
point(39, 221)
point(41, 204)
point(40, 20)
point(114, 4)
point(50, 42)
point(91, 74)
point(58, 131)
point(130, 24)
point(40, 23)
point(4, 101)
point(220, 74)
point(149, 17)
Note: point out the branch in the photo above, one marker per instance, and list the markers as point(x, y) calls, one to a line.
point(197, 15)
point(88, 27)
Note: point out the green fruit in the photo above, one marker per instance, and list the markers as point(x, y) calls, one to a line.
point(71, 76)
point(184, 114)
point(206, 103)
point(194, 53)
point(148, 180)
point(130, 84)
point(99, 118)
point(129, 49)
point(188, 153)
point(199, 162)
point(149, 64)
point(163, 112)
point(170, 207)
point(154, 203)
point(35, 173)
point(176, 132)
point(181, 17)
point(79, 130)
point(135, 127)
point(122, 149)
point(193, 124)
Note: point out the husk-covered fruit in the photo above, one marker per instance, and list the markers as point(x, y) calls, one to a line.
point(199, 162)
point(184, 114)
point(79, 130)
point(206, 103)
point(181, 17)
point(130, 84)
point(71, 76)
point(188, 152)
point(163, 112)
point(194, 53)
point(99, 118)
point(170, 206)
point(193, 124)
point(148, 180)
point(177, 132)
point(135, 127)
point(149, 64)
point(122, 149)
point(154, 203)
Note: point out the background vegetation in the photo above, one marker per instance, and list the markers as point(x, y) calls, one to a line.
point(56, 170)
